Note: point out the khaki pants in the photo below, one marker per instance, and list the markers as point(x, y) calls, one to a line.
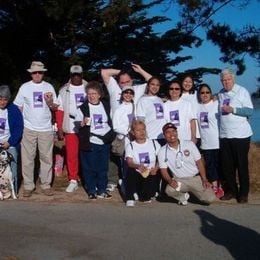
point(193, 185)
point(29, 143)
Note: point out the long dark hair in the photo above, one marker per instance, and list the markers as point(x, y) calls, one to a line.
point(203, 85)
point(149, 81)
point(192, 90)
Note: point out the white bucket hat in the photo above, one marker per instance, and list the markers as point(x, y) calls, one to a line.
point(36, 66)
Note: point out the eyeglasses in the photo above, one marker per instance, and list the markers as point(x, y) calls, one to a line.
point(204, 92)
point(128, 92)
point(174, 88)
point(37, 72)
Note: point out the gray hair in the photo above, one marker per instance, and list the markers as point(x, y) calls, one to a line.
point(5, 92)
point(227, 71)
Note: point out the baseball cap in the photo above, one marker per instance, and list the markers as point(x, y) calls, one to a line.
point(168, 126)
point(125, 88)
point(76, 69)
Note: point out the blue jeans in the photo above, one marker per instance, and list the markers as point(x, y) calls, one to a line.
point(95, 165)
point(212, 163)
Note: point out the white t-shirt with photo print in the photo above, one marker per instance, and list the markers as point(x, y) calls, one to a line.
point(36, 113)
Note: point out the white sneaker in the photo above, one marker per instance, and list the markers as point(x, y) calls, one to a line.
point(72, 186)
point(130, 203)
point(136, 197)
point(184, 199)
point(111, 187)
point(120, 182)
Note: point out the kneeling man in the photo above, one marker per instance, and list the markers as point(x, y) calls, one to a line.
point(182, 168)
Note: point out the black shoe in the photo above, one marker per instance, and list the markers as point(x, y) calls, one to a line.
point(92, 196)
point(228, 196)
point(242, 199)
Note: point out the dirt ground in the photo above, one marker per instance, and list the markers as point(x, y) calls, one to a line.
point(60, 183)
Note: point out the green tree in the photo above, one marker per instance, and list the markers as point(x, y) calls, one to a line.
point(112, 33)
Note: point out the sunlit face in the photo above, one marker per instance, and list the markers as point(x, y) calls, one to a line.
point(76, 79)
point(187, 84)
point(125, 80)
point(139, 132)
point(171, 136)
point(175, 91)
point(153, 87)
point(3, 102)
point(37, 76)
point(228, 82)
point(205, 95)
point(93, 96)
point(128, 96)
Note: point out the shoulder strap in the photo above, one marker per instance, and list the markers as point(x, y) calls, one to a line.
point(154, 145)
point(85, 109)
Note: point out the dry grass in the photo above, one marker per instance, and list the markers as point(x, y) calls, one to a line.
point(254, 167)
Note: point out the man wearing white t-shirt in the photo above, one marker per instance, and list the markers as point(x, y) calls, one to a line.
point(71, 97)
point(114, 86)
point(235, 132)
point(35, 98)
point(183, 160)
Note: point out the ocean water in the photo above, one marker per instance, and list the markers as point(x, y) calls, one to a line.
point(255, 124)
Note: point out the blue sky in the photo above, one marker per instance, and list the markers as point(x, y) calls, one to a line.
point(208, 55)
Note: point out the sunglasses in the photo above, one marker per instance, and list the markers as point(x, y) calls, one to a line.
point(174, 88)
point(128, 92)
point(37, 72)
point(204, 92)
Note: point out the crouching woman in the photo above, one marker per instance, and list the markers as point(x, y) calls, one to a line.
point(141, 157)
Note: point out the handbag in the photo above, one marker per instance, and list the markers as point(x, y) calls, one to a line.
point(118, 146)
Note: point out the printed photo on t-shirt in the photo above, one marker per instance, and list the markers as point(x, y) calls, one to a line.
point(79, 99)
point(226, 102)
point(37, 99)
point(158, 110)
point(204, 120)
point(144, 158)
point(174, 117)
point(130, 118)
point(2, 125)
point(98, 121)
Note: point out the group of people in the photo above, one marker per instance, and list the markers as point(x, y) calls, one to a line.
point(191, 142)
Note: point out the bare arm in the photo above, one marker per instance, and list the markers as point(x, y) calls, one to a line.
point(131, 164)
point(193, 130)
point(168, 178)
point(202, 172)
point(137, 68)
point(107, 73)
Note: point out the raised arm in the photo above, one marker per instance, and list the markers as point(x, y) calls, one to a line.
point(107, 73)
point(137, 68)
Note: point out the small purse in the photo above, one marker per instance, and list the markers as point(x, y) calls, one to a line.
point(118, 146)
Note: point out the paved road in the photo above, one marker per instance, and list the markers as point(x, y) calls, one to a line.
point(109, 230)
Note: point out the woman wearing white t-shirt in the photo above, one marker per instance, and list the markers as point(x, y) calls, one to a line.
point(142, 165)
point(150, 110)
point(122, 119)
point(208, 121)
point(179, 112)
point(189, 93)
